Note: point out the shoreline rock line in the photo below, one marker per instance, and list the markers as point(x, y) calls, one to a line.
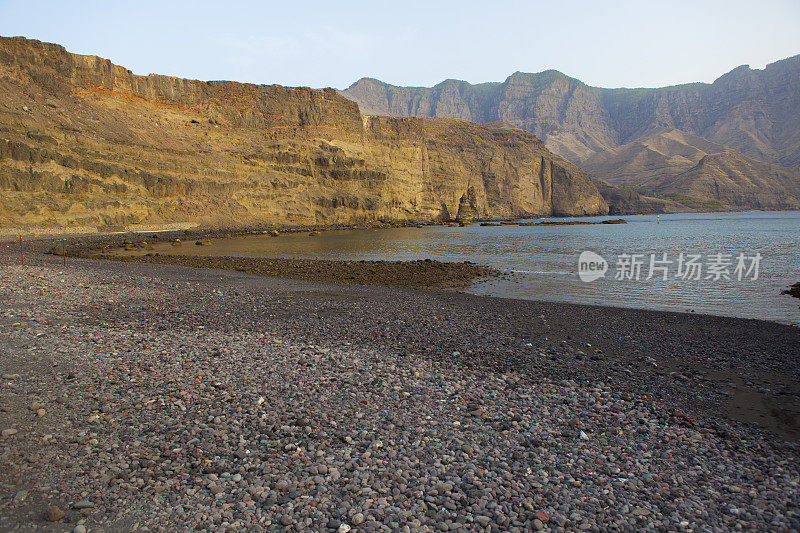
point(419, 274)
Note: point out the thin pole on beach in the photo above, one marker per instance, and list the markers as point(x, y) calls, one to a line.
point(21, 254)
point(64, 251)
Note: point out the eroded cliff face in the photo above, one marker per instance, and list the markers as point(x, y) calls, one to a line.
point(756, 112)
point(555, 107)
point(733, 180)
point(83, 141)
point(637, 139)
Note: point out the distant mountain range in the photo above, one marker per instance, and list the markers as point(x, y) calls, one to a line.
point(731, 144)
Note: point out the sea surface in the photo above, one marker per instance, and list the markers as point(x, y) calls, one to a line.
point(544, 260)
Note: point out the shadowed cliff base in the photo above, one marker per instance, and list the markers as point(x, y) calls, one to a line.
point(556, 223)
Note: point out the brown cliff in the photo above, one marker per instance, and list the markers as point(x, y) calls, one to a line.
point(755, 112)
point(561, 110)
point(632, 137)
point(734, 181)
point(652, 157)
point(83, 141)
point(685, 168)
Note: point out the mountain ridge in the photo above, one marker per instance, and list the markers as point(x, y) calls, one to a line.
point(781, 77)
point(754, 112)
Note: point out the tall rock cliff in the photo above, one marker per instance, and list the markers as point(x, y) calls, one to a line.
point(84, 141)
point(629, 137)
point(756, 112)
point(562, 110)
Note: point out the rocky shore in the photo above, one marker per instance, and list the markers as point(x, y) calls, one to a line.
point(794, 290)
point(155, 397)
point(421, 274)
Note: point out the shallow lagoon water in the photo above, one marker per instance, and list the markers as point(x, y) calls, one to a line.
point(544, 260)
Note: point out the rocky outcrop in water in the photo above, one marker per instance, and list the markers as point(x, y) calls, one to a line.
point(468, 207)
point(84, 141)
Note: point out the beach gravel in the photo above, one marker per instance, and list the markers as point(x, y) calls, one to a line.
point(181, 399)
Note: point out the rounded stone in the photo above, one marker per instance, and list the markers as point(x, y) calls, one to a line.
point(53, 514)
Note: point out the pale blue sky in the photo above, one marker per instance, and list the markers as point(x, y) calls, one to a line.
point(410, 42)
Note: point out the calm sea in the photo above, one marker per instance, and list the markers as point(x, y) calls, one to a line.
point(544, 260)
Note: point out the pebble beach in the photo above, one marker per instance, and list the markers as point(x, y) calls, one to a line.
point(144, 397)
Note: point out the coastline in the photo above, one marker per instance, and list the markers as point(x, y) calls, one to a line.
point(193, 230)
point(524, 305)
point(301, 243)
point(505, 378)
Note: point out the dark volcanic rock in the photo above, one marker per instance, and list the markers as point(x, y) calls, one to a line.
point(199, 399)
point(794, 290)
point(53, 514)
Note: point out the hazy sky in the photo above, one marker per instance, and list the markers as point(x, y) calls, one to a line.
point(407, 42)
